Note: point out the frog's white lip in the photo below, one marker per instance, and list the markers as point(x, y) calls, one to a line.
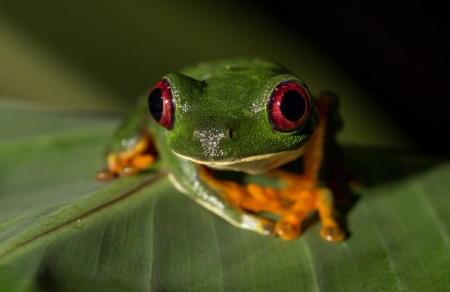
point(253, 164)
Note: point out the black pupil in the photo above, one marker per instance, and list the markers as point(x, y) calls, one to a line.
point(293, 105)
point(155, 104)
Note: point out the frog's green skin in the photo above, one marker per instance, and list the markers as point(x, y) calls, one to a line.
point(220, 121)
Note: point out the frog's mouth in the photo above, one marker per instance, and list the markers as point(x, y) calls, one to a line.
point(257, 164)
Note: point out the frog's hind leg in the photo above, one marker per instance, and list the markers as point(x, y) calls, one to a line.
point(316, 160)
point(220, 197)
point(319, 168)
point(330, 228)
point(306, 191)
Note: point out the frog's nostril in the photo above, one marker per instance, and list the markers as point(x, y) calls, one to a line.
point(230, 133)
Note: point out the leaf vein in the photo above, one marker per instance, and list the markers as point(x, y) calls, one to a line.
point(127, 194)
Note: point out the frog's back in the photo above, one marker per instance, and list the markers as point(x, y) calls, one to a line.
point(205, 70)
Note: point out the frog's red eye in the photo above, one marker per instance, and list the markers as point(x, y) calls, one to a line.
point(288, 106)
point(160, 104)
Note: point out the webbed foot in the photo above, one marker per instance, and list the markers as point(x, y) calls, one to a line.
point(130, 161)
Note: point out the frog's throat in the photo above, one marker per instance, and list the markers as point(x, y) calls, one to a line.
point(253, 164)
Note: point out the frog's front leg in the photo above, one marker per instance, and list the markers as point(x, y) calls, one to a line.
point(131, 149)
point(197, 182)
point(299, 196)
point(130, 161)
point(307, 190)
point(304, 195)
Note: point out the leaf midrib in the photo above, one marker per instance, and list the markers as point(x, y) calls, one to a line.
point(153, 179)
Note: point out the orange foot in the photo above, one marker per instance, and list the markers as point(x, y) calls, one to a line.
point(299, 197)
point(129, 162)
point(293, 202)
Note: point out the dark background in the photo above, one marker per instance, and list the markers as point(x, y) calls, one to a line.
point(398, 51)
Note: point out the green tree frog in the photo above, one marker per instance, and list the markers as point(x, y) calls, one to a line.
point(241, 115)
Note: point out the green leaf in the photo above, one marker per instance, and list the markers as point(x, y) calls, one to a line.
point(60, 230)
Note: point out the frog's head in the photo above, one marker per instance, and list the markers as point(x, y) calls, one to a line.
point(245, 119)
